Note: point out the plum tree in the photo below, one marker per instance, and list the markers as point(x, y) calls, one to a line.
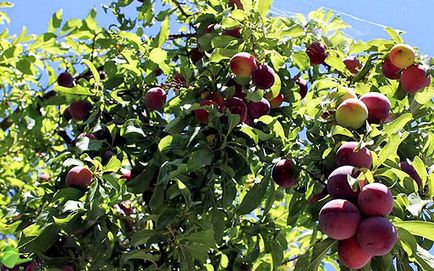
point(243, 64)
point(263, 77)
point(351, 254)
point(155, 98)
point(168, 184)
point(79, 176)
point(376, 235)
point(414, 78)
point(348, 155)
point(375, 199)
point(351, 113)
point(65, 79)
point(317, 53)
point(378, 106)
point(338, 186)
point(389, 70)
point(339, 219)
point(284, 174)
point(402, 55)
point(353, 64)
point(258, 109)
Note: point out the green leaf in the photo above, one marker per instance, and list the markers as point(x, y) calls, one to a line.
point(420, 168)
point(336, 63)
point(339, 130)
point(277, 86)
point(141, 237)
point(253, 197)
point(249, 131)
point(165, 143)
point(407, 241)
point(141, 254)
point(113, 165)
point(77, 90)
point(311, 260)
point(382, 262)
point(301, 60)
point(199, 159)
point(424, 259)
point(92, 68)
point(55, 21)
point(158, 55)
point(167, 217)
point(390, 148)
point(419, 228)
point(164, 32)
point(202, 237)
point(263, 6)
point(9, 257)
point(394, 35)
point(397, 124)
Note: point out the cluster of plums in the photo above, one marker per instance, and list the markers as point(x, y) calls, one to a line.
point(352, 112)
point(400, 64)
point(357, 217)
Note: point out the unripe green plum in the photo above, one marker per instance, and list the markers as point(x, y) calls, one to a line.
point(352, 114)
point(339, 219)
point(375, 199)
point(351, 254)
point(344, 93)
point(376, 235)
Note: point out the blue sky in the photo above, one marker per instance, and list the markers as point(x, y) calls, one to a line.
point(414, 17)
